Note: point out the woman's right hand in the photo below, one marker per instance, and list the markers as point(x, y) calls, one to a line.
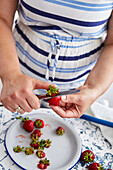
point(17, 91)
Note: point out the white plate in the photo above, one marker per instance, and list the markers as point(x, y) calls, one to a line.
point(63, 153)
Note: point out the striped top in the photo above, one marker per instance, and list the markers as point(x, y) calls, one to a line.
point(80, 18)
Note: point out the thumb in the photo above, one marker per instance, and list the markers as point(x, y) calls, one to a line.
point(38, 84)
point(70, 98)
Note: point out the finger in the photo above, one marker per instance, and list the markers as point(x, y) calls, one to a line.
point(14, 103)
point(38, 84)
point(62, 104)
point(33, 101)
point(14, 110)
point(68, 106)
point(59, 110)
point(24, 105)
point(71, 113)
point(62, 112)
point(75, 98)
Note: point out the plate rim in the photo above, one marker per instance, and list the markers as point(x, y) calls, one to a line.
point(62, 120)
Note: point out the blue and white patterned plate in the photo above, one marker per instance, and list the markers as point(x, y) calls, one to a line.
point(64, 152)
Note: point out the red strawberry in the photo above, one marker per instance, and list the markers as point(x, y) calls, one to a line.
point(60, 131)
point(54, 101)
point(47, 143)
point(40, 154)
point(42, 166)
point(29, 151)
point(87, 156)
point(34, 144)
point(28, 125)
point(53, 91)
point(36, 134)
point(18, 149)
point(43, 163)
point(39, 123)
point(95, 166)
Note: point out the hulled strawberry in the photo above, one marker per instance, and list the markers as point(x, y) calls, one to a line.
point(29, 151)
point(18, 149)
point(34, 144)
point(40, 154)
point(47, 143)
point(36, 134)
point(43, 163)
point(87, 156)
point(42, 166)
point(60, 131)
point(39, 123)
point(28, 125)
point(95, 166)
point(41, 144)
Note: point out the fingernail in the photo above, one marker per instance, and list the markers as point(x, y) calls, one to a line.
point(63, 97)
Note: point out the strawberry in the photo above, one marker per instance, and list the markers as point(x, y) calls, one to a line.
point(40, 154)
point(34, 144)
point(47, 143)
point(43, 163)
point(39, 123)
point(29, 151)
point(53, 91)
point(42, 166)
point(36, 134)
point(87, 156)
point(95, 166)
point(54, 101)
point(42, 144)
point(28, 125)
point(18, 149)
point(60, 131)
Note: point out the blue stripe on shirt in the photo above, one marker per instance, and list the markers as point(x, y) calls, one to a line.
point(50, 78)
point(54, 27)
point(78, 7)
point(88, 4)
point(44, 66)
point(61, 18)
point(64, 58)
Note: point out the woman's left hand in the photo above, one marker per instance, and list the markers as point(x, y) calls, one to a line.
point(73, 106)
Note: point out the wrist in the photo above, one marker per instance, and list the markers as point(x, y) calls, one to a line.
point(96, 89)
point(10, 75)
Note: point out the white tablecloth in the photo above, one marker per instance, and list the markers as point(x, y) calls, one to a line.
point(90, 134)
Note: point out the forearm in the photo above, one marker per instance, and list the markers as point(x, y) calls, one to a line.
point(9, 63)
point(101, 76)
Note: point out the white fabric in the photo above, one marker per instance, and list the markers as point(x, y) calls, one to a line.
point(103, 111)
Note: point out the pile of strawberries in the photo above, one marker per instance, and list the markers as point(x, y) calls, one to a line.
point(36, 143)
point(88, 157)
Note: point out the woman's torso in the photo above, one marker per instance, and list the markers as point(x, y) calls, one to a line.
point(81, 18)
point(60, 40)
